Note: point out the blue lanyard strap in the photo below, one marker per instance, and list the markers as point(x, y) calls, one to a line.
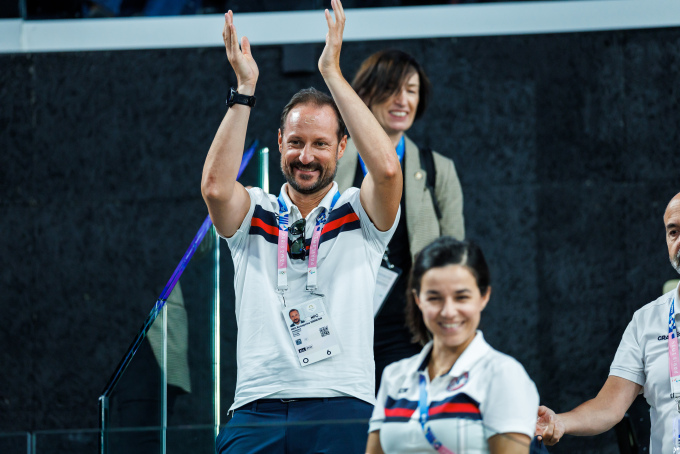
point(671, 318)
point(401, 146)
point(423, 410)
point(422, 401)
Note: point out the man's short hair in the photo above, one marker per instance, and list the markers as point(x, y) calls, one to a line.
point(293, 310)
point(316, 98)
point(383, 74)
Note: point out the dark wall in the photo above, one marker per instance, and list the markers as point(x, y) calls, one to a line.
point(566, 146)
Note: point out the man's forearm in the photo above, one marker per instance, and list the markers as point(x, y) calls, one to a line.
point(374, 146)
point(604, 411)
point(588, 419)
point(224, 157)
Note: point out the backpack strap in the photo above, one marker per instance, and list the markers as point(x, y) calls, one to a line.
point(427, 164)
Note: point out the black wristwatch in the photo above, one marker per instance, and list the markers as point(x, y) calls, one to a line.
point(236, 98)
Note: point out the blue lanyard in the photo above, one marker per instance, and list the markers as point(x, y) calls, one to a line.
point(423, 410)
point(401, 146)
point(673, 355)
point(671, 319)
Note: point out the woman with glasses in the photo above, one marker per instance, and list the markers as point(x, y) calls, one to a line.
point(458, 395)
point(396, 89)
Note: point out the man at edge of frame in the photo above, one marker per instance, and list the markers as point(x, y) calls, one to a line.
point(647, 361)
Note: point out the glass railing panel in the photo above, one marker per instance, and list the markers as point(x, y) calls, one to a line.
point(191, 439)
point(65, 441)
point(456, 435)
point(191, 357)
point(195, 439)
point(15, 443)
point(136, 400)
point(166, 378)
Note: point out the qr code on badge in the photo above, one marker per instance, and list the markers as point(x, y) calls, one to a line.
point(324, 331)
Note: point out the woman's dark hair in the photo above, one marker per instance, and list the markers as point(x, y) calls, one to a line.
point(442, 252)
point(383, 74)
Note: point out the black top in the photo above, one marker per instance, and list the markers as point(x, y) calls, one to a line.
point(390, 323)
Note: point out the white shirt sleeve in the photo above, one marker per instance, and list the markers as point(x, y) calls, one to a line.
point(628, 362)
point(376, 239)
point(511, 404)
point(237, 238)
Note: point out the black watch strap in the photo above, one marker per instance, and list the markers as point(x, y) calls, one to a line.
point(237, 98)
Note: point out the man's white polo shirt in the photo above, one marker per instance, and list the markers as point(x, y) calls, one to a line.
point(350, 252)
point(642, 357)
point(485, 393)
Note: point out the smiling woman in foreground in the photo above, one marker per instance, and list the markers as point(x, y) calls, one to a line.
point(458, 394)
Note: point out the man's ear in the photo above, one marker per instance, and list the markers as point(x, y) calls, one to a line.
point(280, 141)
point(342, 146)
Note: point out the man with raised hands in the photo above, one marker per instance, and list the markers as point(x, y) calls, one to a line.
point(311, 249)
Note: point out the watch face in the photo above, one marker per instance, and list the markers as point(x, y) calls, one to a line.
point(236, 98)
point(230, 98)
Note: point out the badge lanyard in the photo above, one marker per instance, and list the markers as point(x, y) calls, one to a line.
point(674, 372)
point(423, 409)
point(282, 256)
point(401, 146)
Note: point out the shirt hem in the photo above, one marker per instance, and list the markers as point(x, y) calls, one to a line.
point(295, 394)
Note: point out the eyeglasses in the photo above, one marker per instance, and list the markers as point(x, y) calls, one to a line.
point(297, 247)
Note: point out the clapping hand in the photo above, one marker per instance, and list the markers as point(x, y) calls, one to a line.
point(329, 62)
point(240, 58)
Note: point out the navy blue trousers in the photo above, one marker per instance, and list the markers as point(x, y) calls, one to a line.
point(337, 425)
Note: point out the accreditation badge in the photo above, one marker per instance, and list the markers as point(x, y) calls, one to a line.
point(387, 277)
point(311, 331)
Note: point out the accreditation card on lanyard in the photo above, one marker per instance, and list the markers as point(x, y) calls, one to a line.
point(308, 322)
point(674, 372)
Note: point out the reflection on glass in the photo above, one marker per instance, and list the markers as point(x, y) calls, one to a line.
point(166, 377)
point(136, 401)
point(65, 441)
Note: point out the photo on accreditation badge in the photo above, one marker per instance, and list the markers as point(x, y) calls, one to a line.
point(295, 319)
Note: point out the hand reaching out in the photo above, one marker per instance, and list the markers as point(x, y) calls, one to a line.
point(329, 62)
point(549, 426)
point(240, 58)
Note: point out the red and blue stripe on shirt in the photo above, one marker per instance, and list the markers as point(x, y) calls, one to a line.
point(341, 219)
point(459, 406)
